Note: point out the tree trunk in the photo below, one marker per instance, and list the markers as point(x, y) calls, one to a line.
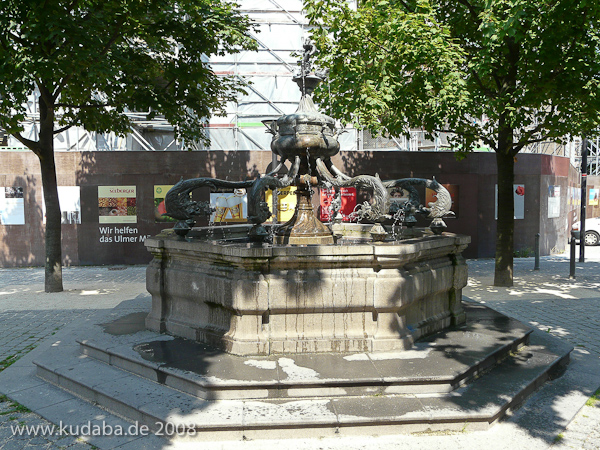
point(503, 274)
point(53, 266)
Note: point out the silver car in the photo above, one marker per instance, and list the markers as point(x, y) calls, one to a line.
point(592, 231)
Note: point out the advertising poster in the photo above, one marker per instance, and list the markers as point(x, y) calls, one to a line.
point(117, 204)
point(230, 207)
point(348, 197)
point(519, 196)
point(12, 206)
point(70, 204)
point(160, 191)
point(431, 196)
point(553, 201)
point(286, 203)
point(571, 200)
point(69, 199)
point(593, 200)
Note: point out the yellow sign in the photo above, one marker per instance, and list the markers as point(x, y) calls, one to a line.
point(160, 190)
point(286, 202)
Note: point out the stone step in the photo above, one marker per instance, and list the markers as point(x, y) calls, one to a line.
point(167, 410)
point(438, 364)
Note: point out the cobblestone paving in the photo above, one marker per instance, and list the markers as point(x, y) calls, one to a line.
point(73, 276)
point(29, 319)
point(569, 309)
point(584, 431)
point(13, 416)
point(29, 316)
point(549, 300)
point(23, 330)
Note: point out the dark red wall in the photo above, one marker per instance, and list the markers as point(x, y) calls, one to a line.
point(475, 175)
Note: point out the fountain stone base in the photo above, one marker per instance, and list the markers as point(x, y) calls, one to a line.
point(253, 299)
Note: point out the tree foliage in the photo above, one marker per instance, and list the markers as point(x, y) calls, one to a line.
point(499, 73)
point(390, 68)
point(93, 60)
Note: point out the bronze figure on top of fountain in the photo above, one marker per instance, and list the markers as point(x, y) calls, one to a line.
point(308, 139)
point(304, 136)
point(307, 132)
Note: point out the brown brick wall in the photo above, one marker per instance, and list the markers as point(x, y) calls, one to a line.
point(475, 175)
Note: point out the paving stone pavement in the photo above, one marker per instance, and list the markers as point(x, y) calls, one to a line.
point(583, 432)
point(13, 415)
point(29, 316)
point(547, 299)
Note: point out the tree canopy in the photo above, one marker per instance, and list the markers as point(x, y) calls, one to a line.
point(499, 73)
point(93, 60)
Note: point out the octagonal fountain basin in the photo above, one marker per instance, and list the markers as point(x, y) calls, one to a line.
point(260, 299)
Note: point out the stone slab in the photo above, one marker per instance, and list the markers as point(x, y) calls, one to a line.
point(384, 410)
point(437, 364)
point(327, 413)
point(74, 414)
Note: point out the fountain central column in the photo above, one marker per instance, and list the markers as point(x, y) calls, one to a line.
point(304, 227)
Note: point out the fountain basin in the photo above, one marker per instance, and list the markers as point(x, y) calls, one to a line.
point(253, 299)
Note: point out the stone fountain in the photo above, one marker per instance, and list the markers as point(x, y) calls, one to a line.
point(293, 289)
point(306, 329)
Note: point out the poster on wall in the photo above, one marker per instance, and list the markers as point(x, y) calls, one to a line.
point(348, 198)
point(117, 204)
point(286, 203)
point(12, 206)
point(160, 191)
point(230, 207)
point(519, 196)
point(593, 199)
point(431, 197)
point(69, 199)
point(553, 201)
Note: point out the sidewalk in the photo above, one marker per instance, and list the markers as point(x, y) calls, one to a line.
point(547, 299)
point(567, 309)
point(30, 318)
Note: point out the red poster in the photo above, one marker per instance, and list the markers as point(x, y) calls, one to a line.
point(348, 195)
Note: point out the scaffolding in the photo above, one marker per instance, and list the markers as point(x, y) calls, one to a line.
point(593, 156)
point(148, 135)
point(281, 30)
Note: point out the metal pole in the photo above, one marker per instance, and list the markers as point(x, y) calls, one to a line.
point(572, 260)
point(537, 252)
point(584, 152)
point(275, 195)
